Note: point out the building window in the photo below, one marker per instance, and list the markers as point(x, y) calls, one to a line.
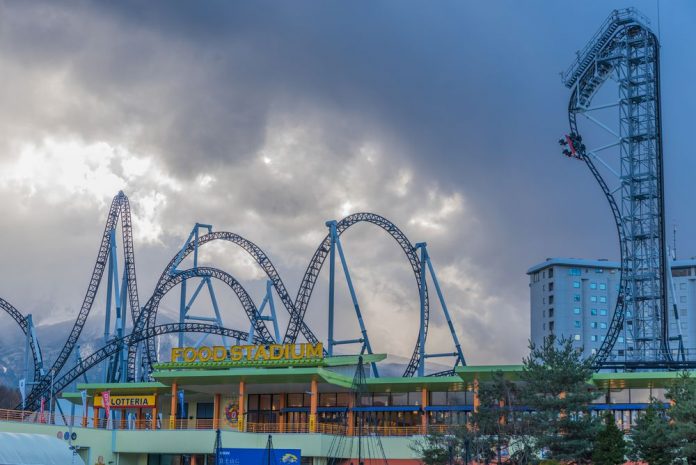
point(576, 310)
point(603, 299)
point(603, 325)
point(550, 312)
point(576, 284)
point(593, 312)
point(550, 273)
point(593, 325)
point(576, 298)
point(621, 339)
point(682, 299)
point(576, 337)
point(543, 287)
point(577, 323)
point(550, 287)
point(543, 326)
point(598, 270)
point(602, 286)
point(550, 299)
point(683, 325)
point(574, 272)
point(543, 313)
point(543, 300)
point(603, 312)
point(682, 286)
point(593, 285)
point(678, 273)
point(593, 298)
point(543, 274)
point(593, 338)
point(682, 312)
point(551, 326)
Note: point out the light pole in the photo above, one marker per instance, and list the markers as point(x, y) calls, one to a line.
point(50, 402)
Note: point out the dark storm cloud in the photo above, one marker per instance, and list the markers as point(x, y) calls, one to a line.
point(268, 118)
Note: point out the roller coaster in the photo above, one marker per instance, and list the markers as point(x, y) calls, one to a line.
point(625, 51)
point(131, 355)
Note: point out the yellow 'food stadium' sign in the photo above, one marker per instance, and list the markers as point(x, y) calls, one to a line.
point(127, 401)
point(248, 352)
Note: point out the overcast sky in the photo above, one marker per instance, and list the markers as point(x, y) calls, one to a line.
point(269, 118)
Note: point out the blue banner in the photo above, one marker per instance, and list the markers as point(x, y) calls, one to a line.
point(259, 457)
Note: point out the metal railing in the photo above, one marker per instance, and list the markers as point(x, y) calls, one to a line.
point(150, 424)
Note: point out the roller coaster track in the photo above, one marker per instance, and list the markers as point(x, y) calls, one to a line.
point(304, 293)
point(259, 257)
point(144, 326)
point(132, 340)
point(120, 207)
point(148, 315)
point(298, 308)
point(625, 47)
point(24, 324)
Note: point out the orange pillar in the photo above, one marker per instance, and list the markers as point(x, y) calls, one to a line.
point(95, 417)
point(314, 399)
point(216, 411)
point(154, 414)
point(172, 414)
point(193, 459)
point(477, 401)
point(84, 418)
point(424, 418)
point(351, 415)
point(242, 402)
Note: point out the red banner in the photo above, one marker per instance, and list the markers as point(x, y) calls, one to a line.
point(106, 401)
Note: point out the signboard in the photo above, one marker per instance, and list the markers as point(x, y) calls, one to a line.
point(259, 456)
point(127, 401)
point(250, 353)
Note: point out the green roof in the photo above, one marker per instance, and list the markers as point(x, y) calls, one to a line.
point(485, 372)
point(642, 379)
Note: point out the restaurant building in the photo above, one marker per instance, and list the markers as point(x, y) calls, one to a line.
point(305, 401)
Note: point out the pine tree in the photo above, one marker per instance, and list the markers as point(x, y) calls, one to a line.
point(651, 437)
point(683, 415)
point(556, 388)
point(610, 446)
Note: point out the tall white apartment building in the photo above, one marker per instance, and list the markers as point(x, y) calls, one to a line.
point(575, 298)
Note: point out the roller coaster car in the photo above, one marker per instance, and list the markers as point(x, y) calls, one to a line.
point(571, 142)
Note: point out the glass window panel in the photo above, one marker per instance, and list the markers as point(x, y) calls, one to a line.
point(265, 402)
point(380, 399)
point(640, 396)
point(659, 394)
point(295, 400)
point(343, 399)
point(253, 401)
point(456, 398)
point(620, 396)
point(438, 398)
point(399, 398)
point(327, 399)
point(275, 402)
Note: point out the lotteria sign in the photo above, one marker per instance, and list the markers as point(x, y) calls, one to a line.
point(250, 353)
point(126, 401)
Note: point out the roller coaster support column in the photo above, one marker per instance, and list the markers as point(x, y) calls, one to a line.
point(427, 266)
point(364, 340)
point(268, 299)
point(117, 294)
point(184, 306)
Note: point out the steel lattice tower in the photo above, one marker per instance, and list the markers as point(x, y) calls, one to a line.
point(627, 51)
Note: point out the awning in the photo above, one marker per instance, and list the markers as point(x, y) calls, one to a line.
point(35, 449)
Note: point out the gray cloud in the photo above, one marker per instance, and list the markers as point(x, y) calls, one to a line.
point(267, 119)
